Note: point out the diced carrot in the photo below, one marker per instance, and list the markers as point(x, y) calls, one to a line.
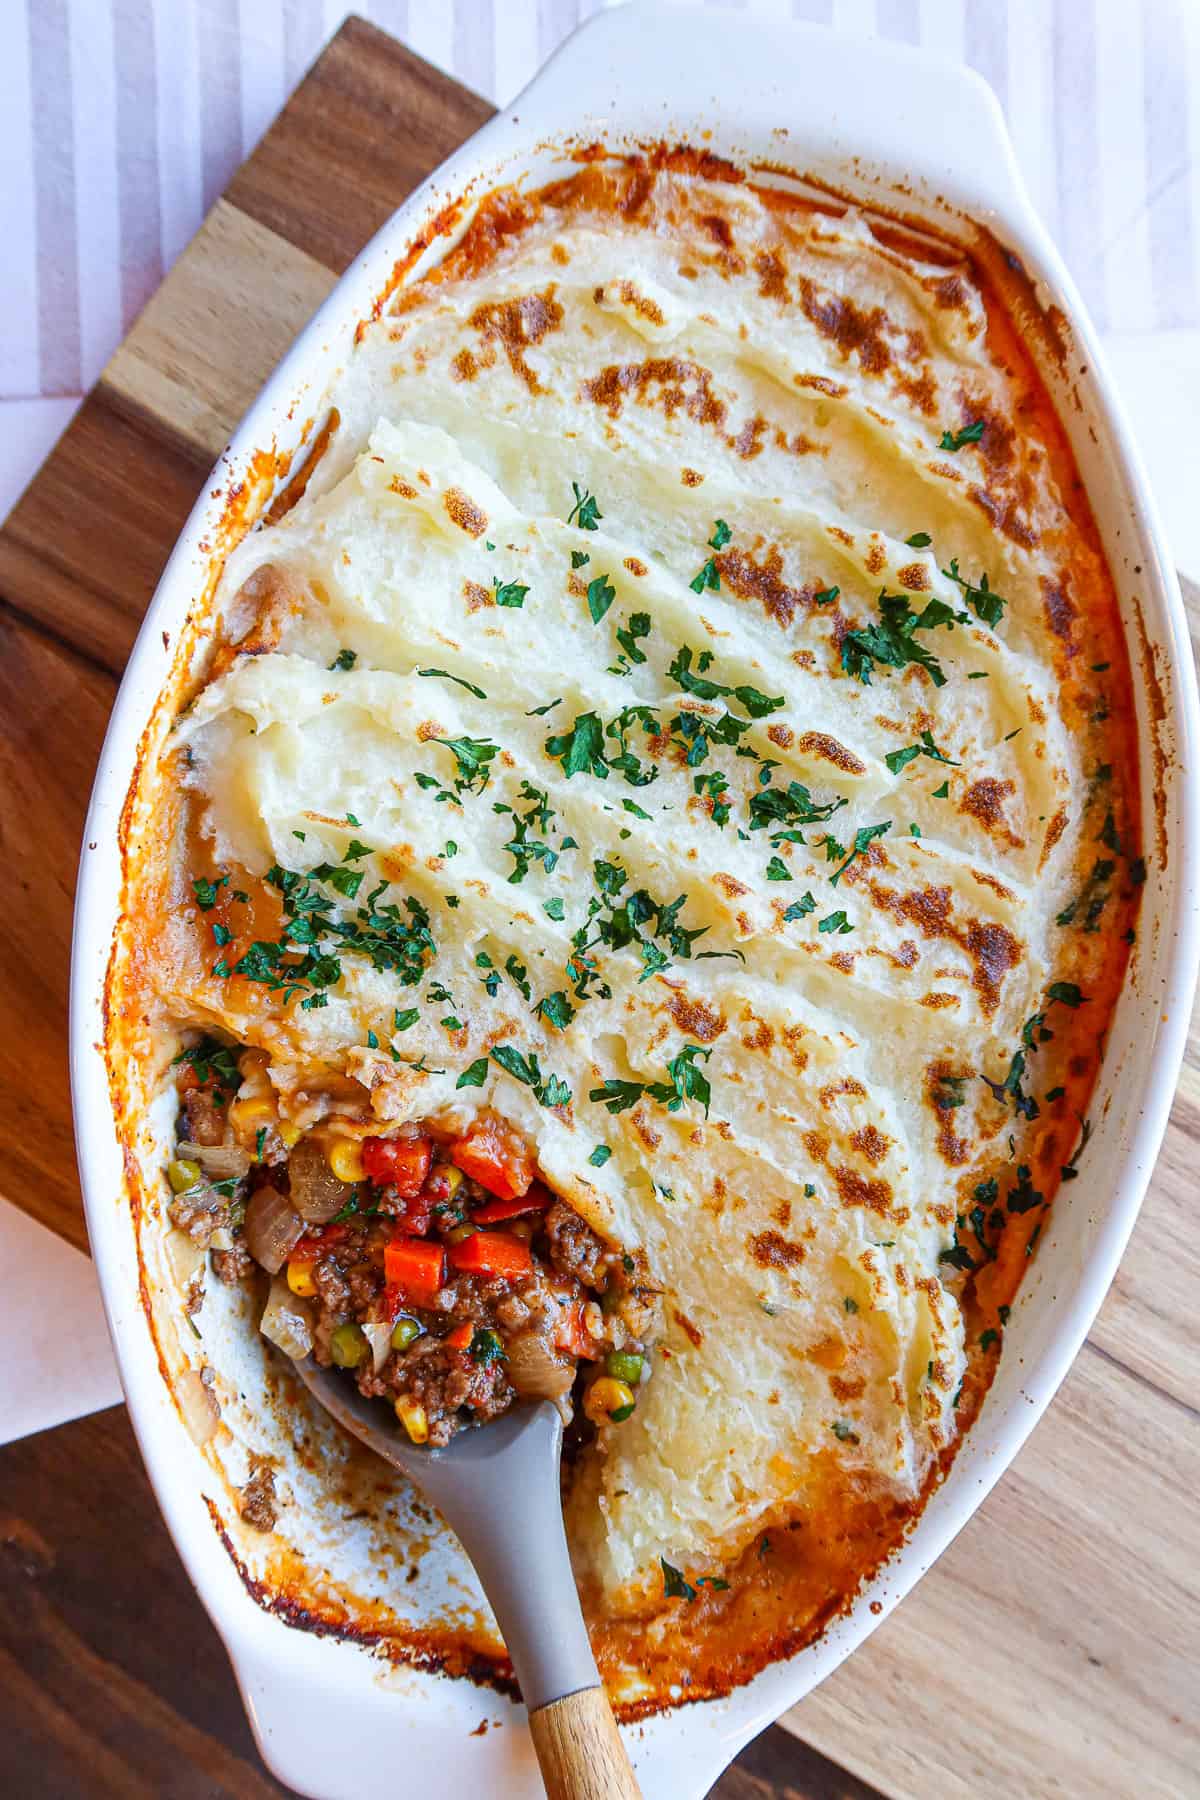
point(415, 1269)
point(496, 1157)
point(400, 1162)
point(536, 1200)
point(460, 1337)
point(492, 1253)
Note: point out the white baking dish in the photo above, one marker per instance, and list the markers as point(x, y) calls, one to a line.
point(902, 128)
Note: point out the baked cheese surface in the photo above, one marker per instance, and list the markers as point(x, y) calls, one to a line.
point(690, 683)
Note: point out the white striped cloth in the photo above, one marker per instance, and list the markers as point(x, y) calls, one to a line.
point(121, 120)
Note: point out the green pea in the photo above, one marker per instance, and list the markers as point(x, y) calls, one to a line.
point(404, 1333)
point(348, 1346)
point(624, 1365)
point(182, 1174)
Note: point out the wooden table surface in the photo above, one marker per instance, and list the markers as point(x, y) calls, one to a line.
point(1053, 1650)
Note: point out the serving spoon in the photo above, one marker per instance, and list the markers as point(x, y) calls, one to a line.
point(520, 1556)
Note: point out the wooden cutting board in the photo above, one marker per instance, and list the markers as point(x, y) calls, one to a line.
point(1054, 1648)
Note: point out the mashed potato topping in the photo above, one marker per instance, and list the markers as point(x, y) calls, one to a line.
point(690, 695)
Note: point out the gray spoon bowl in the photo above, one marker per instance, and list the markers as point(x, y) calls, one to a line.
point(520, 1555)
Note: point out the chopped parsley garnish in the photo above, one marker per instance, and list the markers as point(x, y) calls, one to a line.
point(1034, 1033)
point(345, 881)
point(674, 1585)
point(445, 675)
point(600, 595)
point(983, 600)
point(799, 909)
point(354, 851)
point(775, 808)
point(943, 792)
point(475, 1075)
point(1023, 1197)
point(899, 759)
point(599, 1156)
point(715, 786)
point(553, 909)
point(206, 892)
point(581, 749)
point(379, 932)
point(628, 635)
point(709, 576)
point(954, 440)
point(579, 558)
point(846, 1434)
point(222, 935)
point(214, 1063)
point(1070, 1170)
point(473, 756)
point(618, 919)
point(524, 849)
point(549, 1089)
point(345, 659)
point(827, 596)
point(404, 1021)
point(687, 1083)
point(849, 1304)
point(757, 704)
point(518, 974)
point(585, 513)
point(988, 1338)
point(539, 712)
point(892, 642)
point(862, 838)
point(920, 540)
point(949, 1091)
point(556, 1009)
point(1092, 898)
point(777, 870)
point(509, 593)
point(837, 921)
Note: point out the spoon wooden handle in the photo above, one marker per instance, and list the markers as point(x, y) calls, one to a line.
point(579, 1749)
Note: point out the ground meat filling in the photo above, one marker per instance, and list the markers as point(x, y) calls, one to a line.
point(434, 1267)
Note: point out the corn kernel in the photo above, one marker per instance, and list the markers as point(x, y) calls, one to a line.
point(182, 1174)
point(608, 1399)
point(300, 1279)
point(413, 1417)
point(247, 1115)
point(454, 1180)
point(291, 1135)
point(344, 1156)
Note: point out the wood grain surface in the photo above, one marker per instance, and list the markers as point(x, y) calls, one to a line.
point(1053, 1650)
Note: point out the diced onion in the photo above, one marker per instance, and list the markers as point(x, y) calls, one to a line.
point(219, 1161)
point(534, 1369)
point(287, 1321)
point(273, 1227)
point(379, 1335)
point(198, 1405)
point(317, 1194)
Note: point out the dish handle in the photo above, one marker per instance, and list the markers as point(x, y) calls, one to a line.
point(868, 103)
